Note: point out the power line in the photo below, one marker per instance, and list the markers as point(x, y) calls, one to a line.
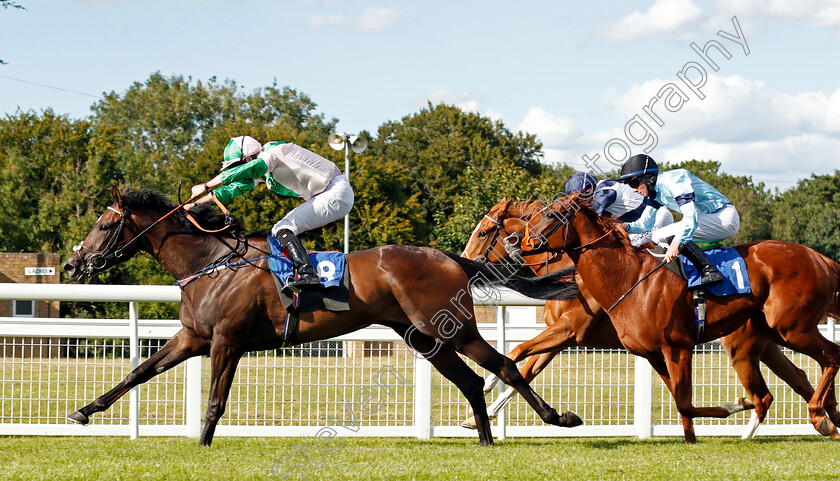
point(50, 87)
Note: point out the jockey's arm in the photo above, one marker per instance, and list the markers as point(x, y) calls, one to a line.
point(230, 183)
point(644, 223)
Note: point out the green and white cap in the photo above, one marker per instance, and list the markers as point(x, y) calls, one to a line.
point(270, 145)
point(238, 148)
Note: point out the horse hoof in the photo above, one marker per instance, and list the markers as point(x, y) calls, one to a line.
point(469, 423)
point(570, 420)
point(747, 403)
point(78, 417)
point(825, 427)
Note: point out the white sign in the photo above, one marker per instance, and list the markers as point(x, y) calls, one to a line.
point(39, 271)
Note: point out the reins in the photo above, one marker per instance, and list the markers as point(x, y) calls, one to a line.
point(528, 244)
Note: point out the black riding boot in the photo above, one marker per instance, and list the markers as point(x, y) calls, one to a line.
point(709, 274)
point(306, 271)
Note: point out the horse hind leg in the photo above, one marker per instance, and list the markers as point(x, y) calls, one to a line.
point(181, 347)
point(533, 366)
point(479, 351)
point(444, 358)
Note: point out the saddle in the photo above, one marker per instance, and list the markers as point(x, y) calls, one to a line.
point(727, 261)
point(332, 296)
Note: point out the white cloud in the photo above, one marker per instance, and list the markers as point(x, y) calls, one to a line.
point(664, 16)
point(467, 101)
point(815, 13)
point(374, 19)
point(553, 131)
point(749, 128)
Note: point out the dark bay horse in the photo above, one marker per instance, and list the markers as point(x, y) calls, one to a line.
point(238, 310)
point(793, 288)
point(583, 322)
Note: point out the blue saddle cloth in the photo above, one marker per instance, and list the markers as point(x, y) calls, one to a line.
point(730, 264)
point(329, 265)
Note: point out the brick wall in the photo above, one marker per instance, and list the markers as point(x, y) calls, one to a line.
point(13, 270)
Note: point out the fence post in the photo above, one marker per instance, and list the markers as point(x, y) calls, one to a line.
point(422, 397)
point(831, 326)
point(643, 399)
point(501, 419)
point(193, 397)
point(134, 356)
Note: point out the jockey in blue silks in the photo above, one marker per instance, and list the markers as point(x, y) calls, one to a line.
point(621, 202)
point(707, 214)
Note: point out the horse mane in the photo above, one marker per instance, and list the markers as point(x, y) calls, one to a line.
point(204, 214)
point(521, 208)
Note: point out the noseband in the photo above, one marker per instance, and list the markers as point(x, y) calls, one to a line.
point(97, 261)
point(529, 243)
point(509, 242)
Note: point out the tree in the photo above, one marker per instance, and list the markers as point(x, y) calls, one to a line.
point(809, 214)
point(485, 188)
point(429, 153)
point(9, 4)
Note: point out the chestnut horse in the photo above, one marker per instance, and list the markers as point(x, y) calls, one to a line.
point(793, 288)
point(238, 310)
point(582, 322)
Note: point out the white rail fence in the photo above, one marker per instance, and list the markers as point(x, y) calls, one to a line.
point(367, 382)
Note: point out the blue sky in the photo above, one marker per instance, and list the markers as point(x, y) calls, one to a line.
point(574, 74)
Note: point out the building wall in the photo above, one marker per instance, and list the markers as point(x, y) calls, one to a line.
point(13, 270)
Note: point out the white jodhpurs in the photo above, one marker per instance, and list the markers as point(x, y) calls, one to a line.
point(663, 218)
point(719, 225)
point(332, 204)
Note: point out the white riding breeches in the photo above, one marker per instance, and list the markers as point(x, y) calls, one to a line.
point(719, 225)
point(332, 204)
point(663, 218)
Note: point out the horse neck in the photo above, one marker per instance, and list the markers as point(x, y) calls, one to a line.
point(183, 254)
point(602, 266)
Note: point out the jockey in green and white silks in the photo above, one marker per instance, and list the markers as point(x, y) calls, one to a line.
point(707, 214)
point(290, 170)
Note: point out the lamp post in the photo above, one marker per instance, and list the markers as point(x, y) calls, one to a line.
point(339, 141)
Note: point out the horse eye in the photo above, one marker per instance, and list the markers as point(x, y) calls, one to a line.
point(104, 227)
point(482, 234)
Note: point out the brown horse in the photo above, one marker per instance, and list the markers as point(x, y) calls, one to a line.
point(793, 287)
point(582, 322)
point(238, 310)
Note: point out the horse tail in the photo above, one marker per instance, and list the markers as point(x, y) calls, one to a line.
point(558, 285)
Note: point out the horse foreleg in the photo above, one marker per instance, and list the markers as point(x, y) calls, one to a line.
point(678, 363)
point(658, 364)
point(181, 347)
point(479, 351)
point(223, 361)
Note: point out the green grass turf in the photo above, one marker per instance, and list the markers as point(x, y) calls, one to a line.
point(769, 458)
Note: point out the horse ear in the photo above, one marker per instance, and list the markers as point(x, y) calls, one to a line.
point(117, 196)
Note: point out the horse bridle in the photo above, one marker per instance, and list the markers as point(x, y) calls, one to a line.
point(560, 222)
point(97, 261)
point(508, 244)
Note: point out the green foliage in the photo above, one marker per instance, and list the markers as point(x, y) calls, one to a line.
point(430, 151)
point(486, 187)
point(425, 180)
point(809, 214)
